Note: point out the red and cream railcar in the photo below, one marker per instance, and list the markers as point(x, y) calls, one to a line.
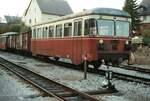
point(96, 34)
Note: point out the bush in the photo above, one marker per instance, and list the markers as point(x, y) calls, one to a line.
point(146, 41)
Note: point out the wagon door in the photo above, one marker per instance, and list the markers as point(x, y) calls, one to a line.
point(77, 42)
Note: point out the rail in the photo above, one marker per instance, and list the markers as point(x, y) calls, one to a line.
point(50, 87)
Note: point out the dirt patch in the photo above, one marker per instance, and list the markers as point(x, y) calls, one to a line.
point(43, 65)
point(72, 77)
point(141, 56)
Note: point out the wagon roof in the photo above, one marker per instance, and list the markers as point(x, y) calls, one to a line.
point(9, 33)
point(97, 11)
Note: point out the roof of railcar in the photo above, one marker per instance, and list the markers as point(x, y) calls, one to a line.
point(95, 11)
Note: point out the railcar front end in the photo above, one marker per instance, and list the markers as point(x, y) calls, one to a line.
point(113, 44)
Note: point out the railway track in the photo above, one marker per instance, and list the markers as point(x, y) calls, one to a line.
point(125, 77)
point(49, 87)
point(134, 68)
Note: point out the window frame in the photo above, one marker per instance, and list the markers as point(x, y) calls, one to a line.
point(89, 27)
point(61, 34)
point(116, 28)
point(49, 27)
point(113, 34)
point(81, 34)
point(69, 34)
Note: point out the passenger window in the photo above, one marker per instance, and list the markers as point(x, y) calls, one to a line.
point(34, 33)
point(59, 31)
point(38, 33)
point(90, 27)
point(45, 29)
point(68, 29)
point(77, 28)
point(51, 31)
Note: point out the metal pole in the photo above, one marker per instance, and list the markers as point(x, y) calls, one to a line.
point(85, 68)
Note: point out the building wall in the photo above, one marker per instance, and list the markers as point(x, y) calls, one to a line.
point(48, 17)
point(33, 15)
point(145, 19)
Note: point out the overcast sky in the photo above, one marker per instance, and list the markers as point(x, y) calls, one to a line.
point(17, 7)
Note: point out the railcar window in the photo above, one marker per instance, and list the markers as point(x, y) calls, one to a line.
point(90, 27)
point(105, 27)
point(78, 28)
point(34, 33)
point(67, 29)
point(51, 31)
point(122, 28)
point(38, 33)
point(45, 29)
point(58, 30)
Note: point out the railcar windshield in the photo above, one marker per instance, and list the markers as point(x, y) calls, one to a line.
point(105, 27)
point(122, 28)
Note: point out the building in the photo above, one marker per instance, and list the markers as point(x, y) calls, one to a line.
point(145, 15)
point(44, 10)
point(2, 20)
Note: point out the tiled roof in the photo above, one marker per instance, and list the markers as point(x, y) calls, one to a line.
point(10, 19)
point(56, 7)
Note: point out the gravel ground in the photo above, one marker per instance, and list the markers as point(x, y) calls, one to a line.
point(128, 91)
point(13, 89)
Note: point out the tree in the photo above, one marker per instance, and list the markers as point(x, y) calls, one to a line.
point(132, 7)
point(14, 27)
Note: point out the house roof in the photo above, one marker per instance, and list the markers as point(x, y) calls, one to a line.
point(10, 19)
point(145, 4)
point(55, 7)
point(58, 7)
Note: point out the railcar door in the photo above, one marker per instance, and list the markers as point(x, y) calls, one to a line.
point(77, 42)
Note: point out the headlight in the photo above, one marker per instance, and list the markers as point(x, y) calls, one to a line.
point(127, 42)
point(101, 41)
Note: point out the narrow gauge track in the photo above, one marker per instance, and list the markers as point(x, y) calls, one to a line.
point(135, 68)
point(50, 87)
point(117, 75)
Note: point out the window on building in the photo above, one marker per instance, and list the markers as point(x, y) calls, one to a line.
point(30, 21)
point(51, 31)
point(68, 29)
point(144, 18)
point(59, 31)
point(77, 28)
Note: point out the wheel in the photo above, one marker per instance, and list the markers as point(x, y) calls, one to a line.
point(56, 58)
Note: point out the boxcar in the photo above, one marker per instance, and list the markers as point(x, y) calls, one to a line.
point(3, 42)
point(11, 42)
point(96, 35)
point(26, 42)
